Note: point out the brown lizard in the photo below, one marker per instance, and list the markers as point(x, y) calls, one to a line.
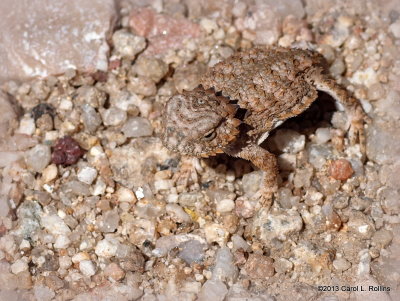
point(240, 100)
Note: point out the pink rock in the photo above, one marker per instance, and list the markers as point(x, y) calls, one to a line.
point(39, 38)
point(162, 31)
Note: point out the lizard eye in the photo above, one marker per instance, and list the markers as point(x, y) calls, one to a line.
point(210, 135)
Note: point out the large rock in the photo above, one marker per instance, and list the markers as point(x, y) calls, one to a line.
point(42, 37)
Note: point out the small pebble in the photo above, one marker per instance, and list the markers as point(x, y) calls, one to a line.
point(177, 213)
point(87, 175)
point(114, 271)
point(216, 233)
point(259, 266)
point(127, 44)
point(55, 225)
point(289, 141)
point(62, 242)
point(192, 251)
point(113, 116)
point(282, 265)
point(225, 269)
point(361, 225)
point(91, 119)
point(142, 86)
point(268, 226)
point(245, 208)
point(339, 120)
point(322, 135)
point(340, 169)
point(163, 184)
point(87, 268)
point(45, 123)
point(303, 177)
point(38, 157)
point(66, 151)
point(106, 248)
point(99, 187)
point(19, 266)
point(341, 264)
point(125, 195)
point(43, 293)
point(27, 126)
point(382, 238)
point(150, 67)
point(109, 221)
point(65, 262)
point(252, 182)
point(49, 173)
point(208, 25)
point(78, 257)
point(225, 206)
point(137, 127)
point(213, 290)
point(337, 68)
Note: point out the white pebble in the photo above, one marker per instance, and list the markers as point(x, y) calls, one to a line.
point(322, 135)
point(43, 293)
point(27, 126)
point(65, 262)
point(226, 205)
point(62, 242)
point(96, 151)
point(395, 29)
point(139, 193)
point(127, 44)
point(113, 117)
point(125, 195)
point(99, 188)
point(213, 290)
point(208, 25)
point(55, 225)
point(51, 136)
point(137, 127)
point(172, 198)
point(216, 233)
point(87, 175)
point(49, 173)
point(65, 104)
point(81, 256)
point(24, 245)
point(107, 247)
point(163, 184)
point(366, 77)
point(19, 266)
point(38, 157)
point(87, 268)
point(239, 242)
point(177, 213)
point(289, 141)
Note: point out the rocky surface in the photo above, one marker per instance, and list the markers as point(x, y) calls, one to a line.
point(93, 207)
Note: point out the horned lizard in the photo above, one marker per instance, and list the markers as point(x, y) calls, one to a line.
point(240, 100)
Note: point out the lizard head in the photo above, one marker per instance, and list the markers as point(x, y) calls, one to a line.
point(199, 123)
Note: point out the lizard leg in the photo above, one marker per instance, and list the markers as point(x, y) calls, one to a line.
point(265, 161)
point(352, 106)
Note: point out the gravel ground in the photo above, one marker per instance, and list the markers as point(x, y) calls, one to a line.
point(93, 207)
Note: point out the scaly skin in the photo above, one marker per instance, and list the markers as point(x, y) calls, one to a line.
point(240, 100)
